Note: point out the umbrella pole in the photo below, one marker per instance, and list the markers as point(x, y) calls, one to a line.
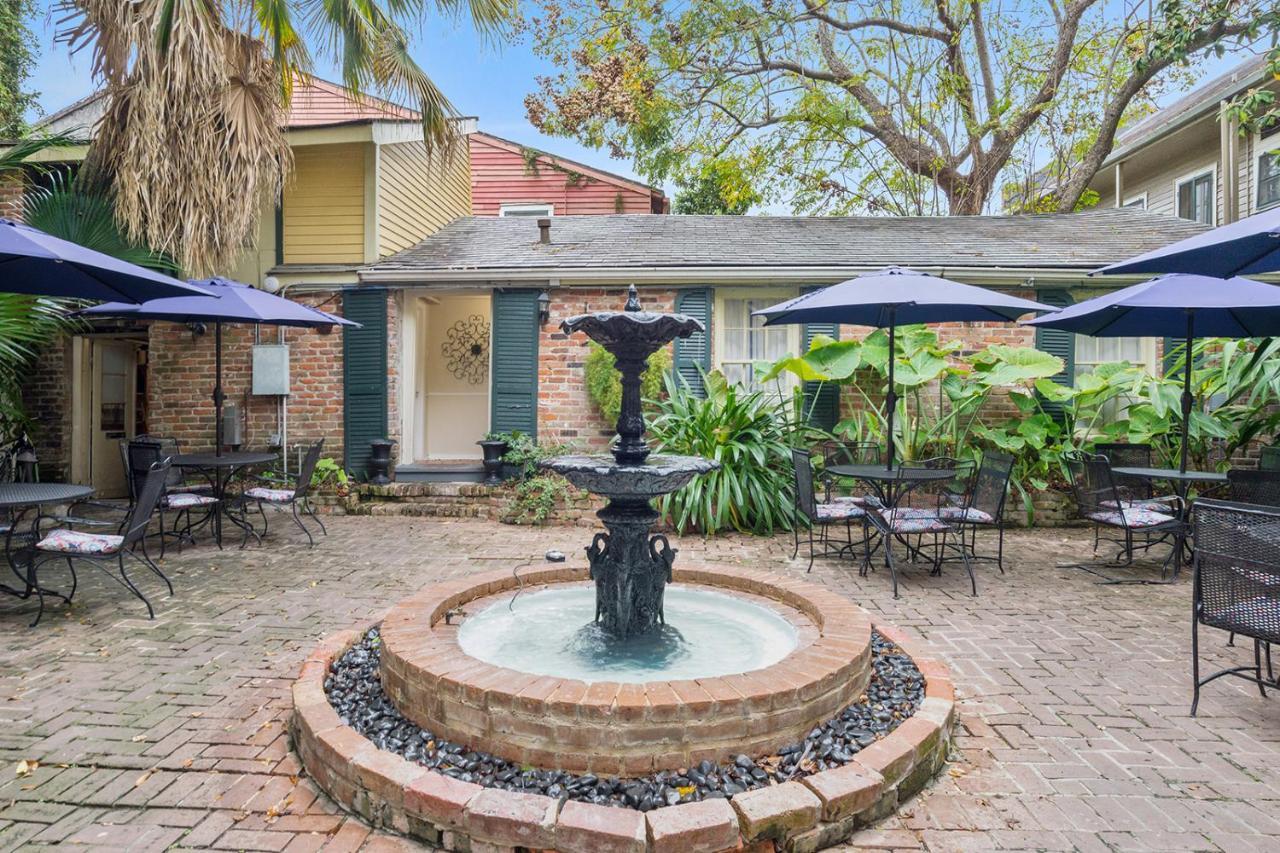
point(1186, 394)
point(217, 389)
point(891, 400)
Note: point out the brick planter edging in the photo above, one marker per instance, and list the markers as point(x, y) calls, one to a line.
point(804, 815)
point(615, 729)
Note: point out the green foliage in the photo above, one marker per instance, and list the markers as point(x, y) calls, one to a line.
point(941, 393)
point(604, 382)
point(523, 452)
point(328, 471)
point(907, 107)
point(66, 209)
point(750, 433)
point(537, 497)
point(719, 187)
point(18, 50)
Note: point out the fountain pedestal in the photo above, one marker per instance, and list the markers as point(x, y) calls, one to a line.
point(630, 567)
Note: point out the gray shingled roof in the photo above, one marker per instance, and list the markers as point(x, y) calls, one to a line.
point(1051, 241)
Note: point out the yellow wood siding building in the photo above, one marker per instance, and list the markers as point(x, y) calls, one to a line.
point(419, 192)
point(324, 205)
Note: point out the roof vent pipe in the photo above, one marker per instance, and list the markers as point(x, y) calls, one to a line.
point(544, 230)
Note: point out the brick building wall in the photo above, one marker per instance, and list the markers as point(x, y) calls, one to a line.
point(11, 192)
point(47, 397)
point(181, 377)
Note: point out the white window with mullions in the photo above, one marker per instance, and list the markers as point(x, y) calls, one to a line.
point(1194, 196)
point(1269, 172)
point(1091, 352)
point(742, 341)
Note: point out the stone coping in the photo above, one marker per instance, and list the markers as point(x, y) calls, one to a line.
point(807, 814)
point(621, 729)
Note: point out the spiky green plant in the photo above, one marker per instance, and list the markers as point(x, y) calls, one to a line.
point(750, 433)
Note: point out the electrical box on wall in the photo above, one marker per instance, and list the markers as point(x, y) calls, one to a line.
point(271, 369)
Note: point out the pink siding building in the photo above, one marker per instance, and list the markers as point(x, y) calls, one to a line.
point(509, 179)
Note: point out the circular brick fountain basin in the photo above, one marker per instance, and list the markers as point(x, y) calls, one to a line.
point(808, 813)
point(607, 727)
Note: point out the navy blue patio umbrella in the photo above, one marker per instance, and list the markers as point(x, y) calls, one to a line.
point(1177, 305)
point(1248, 247)
point(228, 302)
point(897, 296)
point(39, 264)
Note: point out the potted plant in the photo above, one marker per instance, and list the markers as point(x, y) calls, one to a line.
point(494, 445)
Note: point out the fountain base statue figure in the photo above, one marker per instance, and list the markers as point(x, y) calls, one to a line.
point(630, 567)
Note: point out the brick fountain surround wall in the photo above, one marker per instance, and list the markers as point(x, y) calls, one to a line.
point(807, 814)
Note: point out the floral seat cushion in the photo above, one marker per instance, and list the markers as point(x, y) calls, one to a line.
point(1131, 516)
point(860, 500)
point(75, 542)
point(839, 511)
point(187, 501)
point(913, 520)
point(972, 515)
point(274, 495)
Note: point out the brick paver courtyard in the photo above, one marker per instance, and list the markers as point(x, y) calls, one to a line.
point(171, 733)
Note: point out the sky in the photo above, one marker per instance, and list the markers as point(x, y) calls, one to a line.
point(485, 80)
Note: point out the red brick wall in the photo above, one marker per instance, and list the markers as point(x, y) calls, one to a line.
point(47, 396)
point(11, 191)
point(181, 378)
point(566, 414)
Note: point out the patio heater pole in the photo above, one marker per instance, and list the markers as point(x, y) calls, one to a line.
point(1187, 399)
point(217, 388)
point(891, 400)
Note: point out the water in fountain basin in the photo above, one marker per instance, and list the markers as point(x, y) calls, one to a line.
point(551, 632)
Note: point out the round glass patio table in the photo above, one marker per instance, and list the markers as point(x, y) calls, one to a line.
point(224, 468)
point(23, 497)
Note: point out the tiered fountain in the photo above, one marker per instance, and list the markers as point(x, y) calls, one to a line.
point(633, 682)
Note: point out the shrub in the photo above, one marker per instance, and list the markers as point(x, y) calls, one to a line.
point(750, 434)
point(536, 498)
point(604, 382)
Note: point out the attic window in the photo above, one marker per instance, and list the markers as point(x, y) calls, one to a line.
point(526, 210)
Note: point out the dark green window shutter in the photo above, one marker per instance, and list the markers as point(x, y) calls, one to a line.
point(1057, 342)
point(514, 396)
point(364, 375)
point(823, 411)
point(693, 354)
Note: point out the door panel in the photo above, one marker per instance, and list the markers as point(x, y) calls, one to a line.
point(111, 414)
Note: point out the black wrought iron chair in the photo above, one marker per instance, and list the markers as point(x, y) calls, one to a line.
point(1254, 486)
point(823, 515)
point(1099, 501)
point(291, 492)
point(982, 506)
point(102, 549)
point(141, 455)
point(1236, 584)
point(841, 452)
point(914, 509)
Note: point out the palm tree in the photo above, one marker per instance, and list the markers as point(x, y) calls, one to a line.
point(192, 140)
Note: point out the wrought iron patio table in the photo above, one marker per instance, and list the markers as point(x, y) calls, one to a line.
point(20, 498)
point(221, 469)
point(892, 484)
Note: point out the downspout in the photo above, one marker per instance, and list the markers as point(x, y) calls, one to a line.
point(1119, 172)
point(1229, 164)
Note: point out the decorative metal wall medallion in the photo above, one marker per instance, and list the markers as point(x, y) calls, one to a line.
point(466, 349)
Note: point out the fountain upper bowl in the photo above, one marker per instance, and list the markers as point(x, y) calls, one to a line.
point(657, 476)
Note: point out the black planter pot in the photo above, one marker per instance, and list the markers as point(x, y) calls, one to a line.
point(494, 449)
point(380, 461)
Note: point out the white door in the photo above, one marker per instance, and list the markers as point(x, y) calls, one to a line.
point(111, 413)
point(455, 375)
